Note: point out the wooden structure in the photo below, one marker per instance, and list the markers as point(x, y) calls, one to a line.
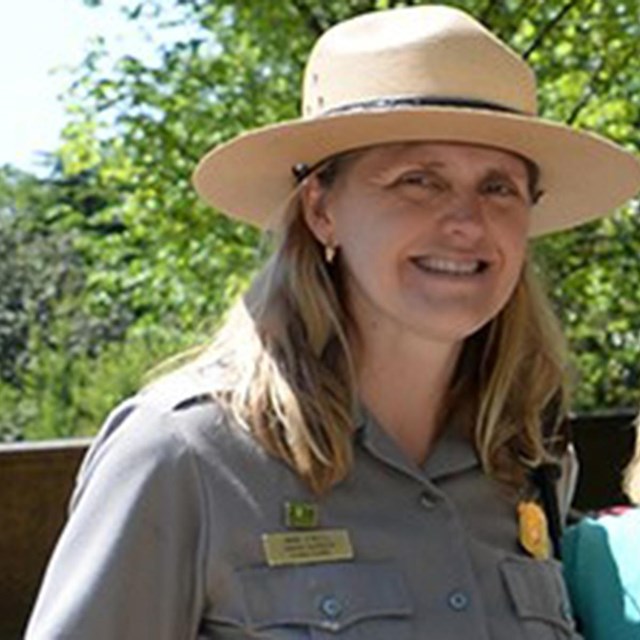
point(35, 483)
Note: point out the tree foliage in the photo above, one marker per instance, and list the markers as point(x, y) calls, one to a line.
point(153, 261)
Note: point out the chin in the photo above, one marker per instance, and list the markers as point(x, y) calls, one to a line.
point(453, 325)
point(448, 333)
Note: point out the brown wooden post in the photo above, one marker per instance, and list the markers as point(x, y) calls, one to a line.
point(35, 483)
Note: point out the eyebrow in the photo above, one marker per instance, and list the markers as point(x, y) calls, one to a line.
point(504, 172)
point(491, 171)
point(425, 164)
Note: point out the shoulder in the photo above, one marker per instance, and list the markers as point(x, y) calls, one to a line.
point(601, 545)
point(601, 570)
point(582, 538)
point(617, 531)
point(170, 423)
point(607, 525)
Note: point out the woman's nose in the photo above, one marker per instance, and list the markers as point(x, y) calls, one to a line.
point(464, 215)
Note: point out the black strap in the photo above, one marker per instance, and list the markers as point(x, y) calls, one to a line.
point(545, 477)
point(193, 401)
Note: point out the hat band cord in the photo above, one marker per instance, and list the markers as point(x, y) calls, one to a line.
point(418, 101)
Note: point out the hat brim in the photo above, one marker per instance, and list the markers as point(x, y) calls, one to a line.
point(583, 176)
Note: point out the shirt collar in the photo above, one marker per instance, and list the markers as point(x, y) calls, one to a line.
point(452, 452)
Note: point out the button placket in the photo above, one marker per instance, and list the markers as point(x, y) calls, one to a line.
point(427, 501)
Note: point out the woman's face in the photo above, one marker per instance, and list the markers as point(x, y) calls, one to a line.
point(431, 236)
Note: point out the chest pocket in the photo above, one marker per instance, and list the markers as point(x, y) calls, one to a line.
point(337, 600)
point(540, 598)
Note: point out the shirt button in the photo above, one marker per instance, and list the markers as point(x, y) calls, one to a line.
point(427, 501)
point(458, 600)
point(331, 607)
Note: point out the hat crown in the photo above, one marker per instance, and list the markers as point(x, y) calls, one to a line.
point(433, 52)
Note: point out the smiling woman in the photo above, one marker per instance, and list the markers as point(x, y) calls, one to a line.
point(354, 455)
point(432, 240)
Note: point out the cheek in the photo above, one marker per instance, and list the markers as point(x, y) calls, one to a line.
point(514, 238)
point(367, 255)
point(373, 250)
point(363, 252)
point(517, 243)
point(362, 230)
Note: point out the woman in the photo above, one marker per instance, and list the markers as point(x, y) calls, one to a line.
point(600, 558)
point(349, 457)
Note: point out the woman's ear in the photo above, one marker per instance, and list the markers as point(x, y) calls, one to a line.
point(313, 197)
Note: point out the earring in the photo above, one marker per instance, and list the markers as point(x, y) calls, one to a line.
point(329, 253)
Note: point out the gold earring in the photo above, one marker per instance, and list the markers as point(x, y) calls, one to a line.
point(329, 253)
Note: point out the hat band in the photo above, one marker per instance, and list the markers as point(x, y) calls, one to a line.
point(301, 170)
point(418, 101)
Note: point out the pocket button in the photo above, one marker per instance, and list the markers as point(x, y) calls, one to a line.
point(331, 607)
point(458, 600)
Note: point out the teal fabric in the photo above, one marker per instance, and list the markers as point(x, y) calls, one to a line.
point(601, 559)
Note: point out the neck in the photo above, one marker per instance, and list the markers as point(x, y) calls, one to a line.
point(402, 382)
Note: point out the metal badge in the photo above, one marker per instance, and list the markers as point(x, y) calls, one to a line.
point(300, 515)
point(534, 530)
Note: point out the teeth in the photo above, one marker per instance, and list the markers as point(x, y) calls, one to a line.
point(442, 265)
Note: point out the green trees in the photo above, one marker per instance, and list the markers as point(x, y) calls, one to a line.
point(137, 268)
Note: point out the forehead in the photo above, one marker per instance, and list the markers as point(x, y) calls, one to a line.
point(445, 154)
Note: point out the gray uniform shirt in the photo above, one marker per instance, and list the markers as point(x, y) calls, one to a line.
point(164, 542)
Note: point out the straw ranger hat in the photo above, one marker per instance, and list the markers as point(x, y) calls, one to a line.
point(428, 73)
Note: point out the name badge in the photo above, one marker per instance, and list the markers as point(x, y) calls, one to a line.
point(306, 547)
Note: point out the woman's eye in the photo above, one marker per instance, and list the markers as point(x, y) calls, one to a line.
point(500, 188)
point(420, 179)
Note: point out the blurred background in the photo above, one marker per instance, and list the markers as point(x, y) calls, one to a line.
point(108, 264)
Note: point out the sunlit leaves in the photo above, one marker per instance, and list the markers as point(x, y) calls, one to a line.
point(243, 69)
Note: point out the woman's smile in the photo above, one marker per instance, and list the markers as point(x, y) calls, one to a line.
point(449, 266)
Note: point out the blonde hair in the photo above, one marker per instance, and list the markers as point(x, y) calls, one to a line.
point(518, 390)
point(285, 370)
point(283, 362)
point(631, 482)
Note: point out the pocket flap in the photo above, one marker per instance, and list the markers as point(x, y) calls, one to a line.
point(538, 592)
point(328, 596)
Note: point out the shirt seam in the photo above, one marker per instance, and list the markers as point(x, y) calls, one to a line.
point(202, 558)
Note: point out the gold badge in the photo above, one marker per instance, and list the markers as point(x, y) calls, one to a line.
point(306, 547)
point(534, 530)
